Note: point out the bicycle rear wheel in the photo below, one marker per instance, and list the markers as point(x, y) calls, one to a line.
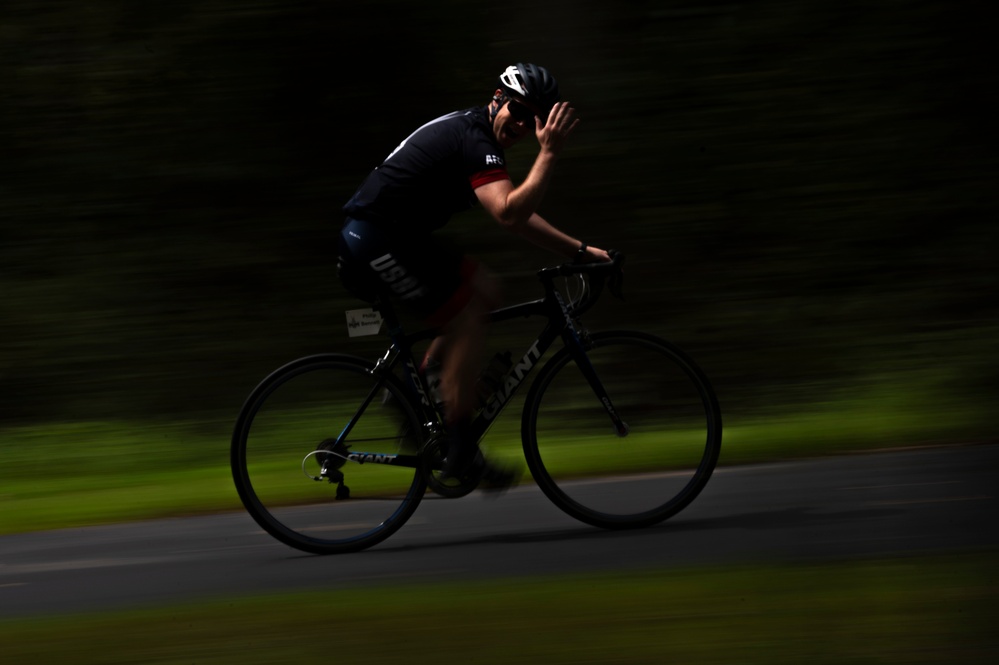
point(306, 482)
point(666, 458)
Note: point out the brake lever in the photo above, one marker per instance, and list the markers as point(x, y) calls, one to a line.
point(616, 281)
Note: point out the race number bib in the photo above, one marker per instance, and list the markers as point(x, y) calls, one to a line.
point(362, 322)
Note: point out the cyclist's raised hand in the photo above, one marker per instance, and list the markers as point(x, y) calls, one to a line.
point(561, 122)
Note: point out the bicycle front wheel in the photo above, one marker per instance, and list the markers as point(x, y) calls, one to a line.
point(638, 477)
point(325, 455)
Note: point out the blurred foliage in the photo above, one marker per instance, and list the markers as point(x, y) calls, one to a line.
point(806, 189)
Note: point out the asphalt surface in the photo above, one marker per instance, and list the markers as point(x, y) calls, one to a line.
point(921, 501)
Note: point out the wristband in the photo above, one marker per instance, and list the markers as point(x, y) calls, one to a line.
point(581, 252)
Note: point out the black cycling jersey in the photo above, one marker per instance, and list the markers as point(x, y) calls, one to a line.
point(432, 174)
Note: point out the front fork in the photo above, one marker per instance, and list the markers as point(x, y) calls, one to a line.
point(577, 342)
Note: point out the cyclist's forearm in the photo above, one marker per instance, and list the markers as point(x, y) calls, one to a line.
point(538, 231)
point(525, 199)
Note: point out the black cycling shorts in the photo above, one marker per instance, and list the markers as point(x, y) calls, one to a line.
point(426, 274)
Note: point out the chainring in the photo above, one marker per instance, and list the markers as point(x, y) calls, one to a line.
point(449, 488)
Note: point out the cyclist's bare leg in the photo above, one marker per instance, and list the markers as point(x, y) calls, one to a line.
point(460, 349)
point(460, 352)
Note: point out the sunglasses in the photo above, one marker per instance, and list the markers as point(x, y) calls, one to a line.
point(520, 112)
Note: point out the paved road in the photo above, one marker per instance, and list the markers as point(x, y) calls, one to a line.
point(874, 505)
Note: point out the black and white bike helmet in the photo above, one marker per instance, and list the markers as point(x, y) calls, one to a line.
point(532, 83)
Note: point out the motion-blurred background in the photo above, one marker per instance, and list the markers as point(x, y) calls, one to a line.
point(807, 192)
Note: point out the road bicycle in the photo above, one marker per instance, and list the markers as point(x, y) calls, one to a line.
point(333, 453)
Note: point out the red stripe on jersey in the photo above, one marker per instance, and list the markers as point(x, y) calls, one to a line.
point(486, 177)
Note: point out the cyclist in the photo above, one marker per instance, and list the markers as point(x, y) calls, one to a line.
point(448, 165)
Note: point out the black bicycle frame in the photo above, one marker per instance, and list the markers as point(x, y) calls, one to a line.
point(560, 324)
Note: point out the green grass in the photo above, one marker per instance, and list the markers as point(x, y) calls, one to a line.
point(921, 610)
point(75, 474)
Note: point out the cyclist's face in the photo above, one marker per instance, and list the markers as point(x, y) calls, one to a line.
point(514, 121)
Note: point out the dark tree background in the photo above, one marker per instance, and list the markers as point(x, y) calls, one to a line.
point(807, 190)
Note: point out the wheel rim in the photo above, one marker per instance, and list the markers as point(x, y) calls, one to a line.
point(644, 477)
point(297, 412)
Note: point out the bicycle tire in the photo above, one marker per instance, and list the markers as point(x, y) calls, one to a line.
point(673, 441)
point(284, 435)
